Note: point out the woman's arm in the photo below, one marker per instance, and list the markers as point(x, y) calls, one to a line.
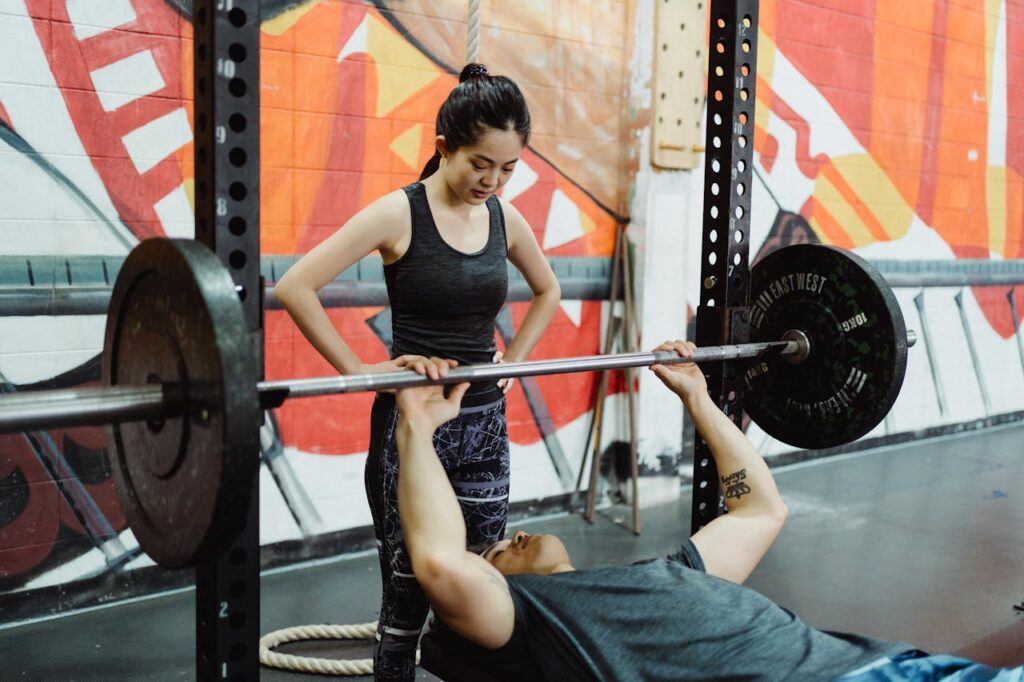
point(378, 226)
point(525, 253)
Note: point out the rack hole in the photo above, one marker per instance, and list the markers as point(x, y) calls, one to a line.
point(237, 156)
point(719, 71)
point(720, 47)
point(237, 122)
point(711, 303)
point(739, 212)
point(721, 22)
point(741, 189)
point(718, 119)
point(742, 141)
point(237, 259)
point(713, 236)
point(736, 259)
point(714, 188)
point(747, 21)
point(237, 87)
point(712, 258)
point(738, 236)
point(238, 226)
point(201, 51)
point(201, 16)
point(741, 165)
point(237, 17)
point(714, 214)
point(746, 46)
point(742, 118)
point(718, 96)
point(744, 94)
point(717, 142)
point(745, 70)
point(237, 52)
point(238, 191)
point(715, 166)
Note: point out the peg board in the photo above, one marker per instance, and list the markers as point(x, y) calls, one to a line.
point(679, 59)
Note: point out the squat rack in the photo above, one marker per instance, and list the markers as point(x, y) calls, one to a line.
point(723, 313)
point(227, 173)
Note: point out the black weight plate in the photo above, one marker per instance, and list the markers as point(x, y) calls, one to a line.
point(184, 482)
point(858, 346)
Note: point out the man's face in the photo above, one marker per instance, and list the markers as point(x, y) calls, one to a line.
point(525, 553)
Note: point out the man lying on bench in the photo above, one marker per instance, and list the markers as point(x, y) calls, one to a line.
point(521, 611)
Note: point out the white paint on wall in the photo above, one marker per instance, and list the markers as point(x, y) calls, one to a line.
point(357, 42)
point(573, 310)
point(39, 114)
point(176, 214)
point(154, 141)
point(92, 17)
point(564, 223)
point(126, 80)
point(523, 178)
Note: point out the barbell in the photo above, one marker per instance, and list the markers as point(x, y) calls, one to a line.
point(827, 352)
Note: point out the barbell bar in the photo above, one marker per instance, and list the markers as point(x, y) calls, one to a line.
point(98, 406)
point(825, 362)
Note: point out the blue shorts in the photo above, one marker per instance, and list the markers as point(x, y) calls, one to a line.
point(917, 665)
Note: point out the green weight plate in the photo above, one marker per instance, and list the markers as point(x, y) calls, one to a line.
point(184, 481)
point(858, 346)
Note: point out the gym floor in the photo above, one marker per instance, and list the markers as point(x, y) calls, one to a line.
point(922, 543)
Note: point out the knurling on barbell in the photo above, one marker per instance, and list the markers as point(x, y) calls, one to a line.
point(826, 360)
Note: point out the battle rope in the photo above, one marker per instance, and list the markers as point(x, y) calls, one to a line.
point(473, 32)
point(310, 664)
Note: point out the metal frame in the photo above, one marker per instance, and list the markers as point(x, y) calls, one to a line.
point(227, 161)
point(722, 315)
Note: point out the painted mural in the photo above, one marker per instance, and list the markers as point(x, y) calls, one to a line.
point(96, 154)
point(889, 128)
point(884, 127)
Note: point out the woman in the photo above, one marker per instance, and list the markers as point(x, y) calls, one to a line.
point(444, 242)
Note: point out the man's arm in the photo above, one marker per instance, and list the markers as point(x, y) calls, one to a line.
point(733, 544)
point(467, 593)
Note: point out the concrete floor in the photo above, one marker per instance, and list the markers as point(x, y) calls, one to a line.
point(922, 543)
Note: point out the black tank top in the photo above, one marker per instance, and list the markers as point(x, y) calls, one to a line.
point(444, 301)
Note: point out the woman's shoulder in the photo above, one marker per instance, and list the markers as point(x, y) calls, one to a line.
point(389, 212)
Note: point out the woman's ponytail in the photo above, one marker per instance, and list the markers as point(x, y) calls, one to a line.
point(432, 165)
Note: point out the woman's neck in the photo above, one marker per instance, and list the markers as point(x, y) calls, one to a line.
point(442, 196)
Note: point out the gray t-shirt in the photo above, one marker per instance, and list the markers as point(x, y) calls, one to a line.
point(661, 619)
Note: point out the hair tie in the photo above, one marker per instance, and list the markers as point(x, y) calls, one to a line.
point(474, 71)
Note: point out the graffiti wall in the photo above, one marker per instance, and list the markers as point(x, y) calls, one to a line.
point(96, 154)
point(888, 128)
point(882, 127)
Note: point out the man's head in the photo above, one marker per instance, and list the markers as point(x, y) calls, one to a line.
point(525, 553)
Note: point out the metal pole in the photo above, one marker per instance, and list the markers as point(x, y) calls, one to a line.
point(63, 408)
point(975, 361)
point(106, 405)
point(273, 393)
point(940, 395)
point(1016, 323)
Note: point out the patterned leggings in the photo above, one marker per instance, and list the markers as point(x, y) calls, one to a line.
point(473, 448)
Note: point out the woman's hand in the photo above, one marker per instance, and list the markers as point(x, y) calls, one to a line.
point(416, 363)
point(426, 406)
point(504, 384)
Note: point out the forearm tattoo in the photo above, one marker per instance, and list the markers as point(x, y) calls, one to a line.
point(735, 485)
